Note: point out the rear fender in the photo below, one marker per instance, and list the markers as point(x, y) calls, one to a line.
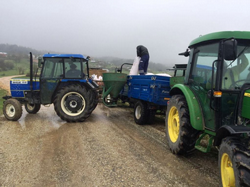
point(231, 130)
point(195, 112)
point(65, 82)
point(88, 83)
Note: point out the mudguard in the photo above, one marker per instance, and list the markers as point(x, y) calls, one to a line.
point(195, 112)
point(229, 130)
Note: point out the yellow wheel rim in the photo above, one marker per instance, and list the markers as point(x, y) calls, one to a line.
point(227, 172)
point(173, 124)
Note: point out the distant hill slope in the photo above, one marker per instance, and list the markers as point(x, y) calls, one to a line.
point(101, 62)
point(15, 49)
point(154, 67)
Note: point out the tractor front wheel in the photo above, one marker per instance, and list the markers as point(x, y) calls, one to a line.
point(234, 156)
point(181, 136)
point(32, 108)
point(73, 103)
point(12, 109)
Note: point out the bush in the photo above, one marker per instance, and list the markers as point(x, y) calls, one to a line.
point(6, 65)
point(21, 71)
point(9, 65)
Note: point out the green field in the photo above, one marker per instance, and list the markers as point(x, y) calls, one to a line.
point(23, 64)
point(2, 93)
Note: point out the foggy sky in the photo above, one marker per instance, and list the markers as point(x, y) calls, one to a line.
point(115, 27)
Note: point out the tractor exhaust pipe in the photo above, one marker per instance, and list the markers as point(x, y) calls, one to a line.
point(31, 75)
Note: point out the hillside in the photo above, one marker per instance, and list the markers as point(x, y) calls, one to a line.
point(20, 50)
point(17, 61)
point(112, 62)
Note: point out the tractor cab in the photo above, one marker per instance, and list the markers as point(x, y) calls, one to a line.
point(69, 66)
point(219, 77)
point(58, 69)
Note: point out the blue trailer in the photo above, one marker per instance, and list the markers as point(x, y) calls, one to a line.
point(147, 93)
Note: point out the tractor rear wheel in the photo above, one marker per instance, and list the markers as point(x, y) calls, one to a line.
point(234, 156)
point(95, 96)
point(181, 136)
point(73, 103)
point(32, 108)
point(12, 109)
point(140, 112)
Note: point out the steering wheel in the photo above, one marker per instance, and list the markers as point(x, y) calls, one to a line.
point(236, 85)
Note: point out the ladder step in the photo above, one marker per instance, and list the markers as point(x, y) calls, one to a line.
point(201, 148)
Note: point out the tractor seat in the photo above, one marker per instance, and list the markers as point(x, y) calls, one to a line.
point(73, 74)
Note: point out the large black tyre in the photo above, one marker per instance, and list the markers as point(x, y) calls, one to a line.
point(151, 116)
point(140, 112)
point(12, 109)
point(73, 103)
point(32, 108)
point(95, 98)
point(234, 162)
point(181, 136)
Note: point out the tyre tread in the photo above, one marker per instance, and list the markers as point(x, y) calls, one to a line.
point(188, 135)
point(18, 109)
point(88, 99)
point(240, 158)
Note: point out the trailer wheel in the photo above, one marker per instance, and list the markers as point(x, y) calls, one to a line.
point(32, 108)
point(72, 103)
point(140, 112)
point(12, 109)
point(181, 136)
point(234, 162)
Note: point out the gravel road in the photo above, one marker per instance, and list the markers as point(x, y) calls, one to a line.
point(108, 149)
point(5, 82)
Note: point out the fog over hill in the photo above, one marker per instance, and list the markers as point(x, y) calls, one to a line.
point(13, 49)
point(102, 62)
point(119, 61)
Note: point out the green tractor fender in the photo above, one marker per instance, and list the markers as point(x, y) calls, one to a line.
point(230, 130)
point(195, 112)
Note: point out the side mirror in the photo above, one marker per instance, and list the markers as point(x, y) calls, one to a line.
point(230, 49)
point(40, 62)
point(186, 53)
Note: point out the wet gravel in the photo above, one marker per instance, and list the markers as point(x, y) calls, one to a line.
point(108, 149)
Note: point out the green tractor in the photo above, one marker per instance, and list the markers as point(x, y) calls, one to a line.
point(213, 104)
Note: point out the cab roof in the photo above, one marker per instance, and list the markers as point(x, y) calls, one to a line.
point(221, 35)
point(64, 56)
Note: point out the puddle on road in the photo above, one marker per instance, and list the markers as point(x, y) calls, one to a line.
point(46, 117)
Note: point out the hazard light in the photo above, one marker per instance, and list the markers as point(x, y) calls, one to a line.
point(217, 93)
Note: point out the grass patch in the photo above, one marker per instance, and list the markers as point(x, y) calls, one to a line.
point(23, 64)
point(2, 93)
point(9, 73)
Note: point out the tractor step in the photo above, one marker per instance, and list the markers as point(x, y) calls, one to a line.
point(204, 149)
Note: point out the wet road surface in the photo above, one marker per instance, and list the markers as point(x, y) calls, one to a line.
point(108, 149)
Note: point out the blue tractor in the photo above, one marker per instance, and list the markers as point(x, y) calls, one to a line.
point(63, 81)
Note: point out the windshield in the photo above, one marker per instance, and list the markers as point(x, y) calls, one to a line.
point(236, 73)
point(64, 68)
